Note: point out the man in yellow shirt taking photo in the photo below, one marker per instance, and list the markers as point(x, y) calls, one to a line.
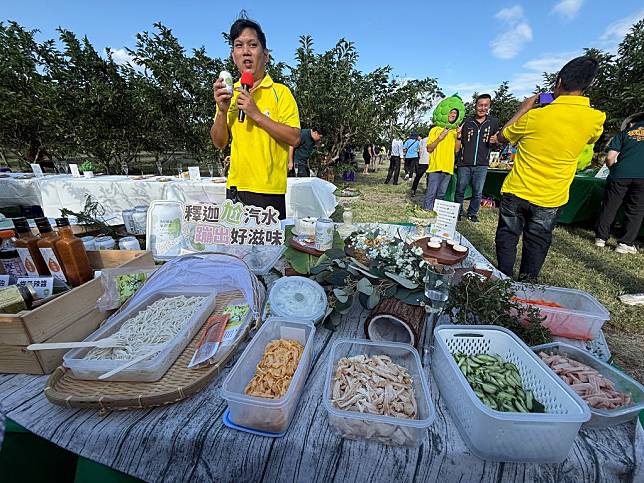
point(260, 141)
point(549, 138)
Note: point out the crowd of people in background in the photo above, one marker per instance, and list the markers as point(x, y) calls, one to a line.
point(548, 136)
point(543, 141)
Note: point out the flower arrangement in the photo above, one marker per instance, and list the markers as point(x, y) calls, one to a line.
point(377, 265)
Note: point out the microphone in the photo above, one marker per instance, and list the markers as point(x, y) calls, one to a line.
point(246, 83)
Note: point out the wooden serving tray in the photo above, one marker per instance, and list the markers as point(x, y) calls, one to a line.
point(302, 247)
point(444, 255)
point(177, 383)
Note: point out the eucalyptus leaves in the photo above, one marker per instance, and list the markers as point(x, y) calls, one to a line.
point(390, 268)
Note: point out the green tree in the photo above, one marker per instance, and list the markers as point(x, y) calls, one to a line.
point(27, 110)
point(504, 103)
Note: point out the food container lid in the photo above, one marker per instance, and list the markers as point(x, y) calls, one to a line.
point(298, 297)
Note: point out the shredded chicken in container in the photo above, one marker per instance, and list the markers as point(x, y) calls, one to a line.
point(592, 387)
point(374, 385)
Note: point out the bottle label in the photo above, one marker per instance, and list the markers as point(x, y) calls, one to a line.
point(53, 264)
point(13, 266)
point(27, 261)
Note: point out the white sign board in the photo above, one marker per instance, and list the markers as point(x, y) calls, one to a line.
point(43, 286)
point(37, 170)
point(447, 216)
point(74, 169)
point(194, 173)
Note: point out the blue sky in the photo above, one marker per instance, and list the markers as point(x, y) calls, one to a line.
point(473, 46)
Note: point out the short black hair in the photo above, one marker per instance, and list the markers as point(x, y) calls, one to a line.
point(482, 96)
point(243, 22)
point(639, 117)
point(577, 74)
point(317, 130)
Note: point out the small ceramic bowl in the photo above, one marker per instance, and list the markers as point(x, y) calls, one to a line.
point(459, 248)
point(433, 245)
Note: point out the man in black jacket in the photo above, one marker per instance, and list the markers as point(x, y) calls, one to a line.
point(478, 136)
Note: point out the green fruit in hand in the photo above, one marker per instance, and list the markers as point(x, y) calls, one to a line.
point(441, 112)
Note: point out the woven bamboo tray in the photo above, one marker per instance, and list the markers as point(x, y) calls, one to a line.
point(176, 384)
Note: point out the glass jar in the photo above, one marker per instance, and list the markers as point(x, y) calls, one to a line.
point(105, 243)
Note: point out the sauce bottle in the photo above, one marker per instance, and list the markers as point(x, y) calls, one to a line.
point(72, 254)
point(27, 247)
point(48, 250)
point(9, 257)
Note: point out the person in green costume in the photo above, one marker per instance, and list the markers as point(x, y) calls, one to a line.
point(443, 142)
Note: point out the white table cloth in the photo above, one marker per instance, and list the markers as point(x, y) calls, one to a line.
point(114, 193)
point(304, 196)
point(15, 191)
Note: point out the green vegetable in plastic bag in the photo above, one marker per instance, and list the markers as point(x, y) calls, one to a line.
point(128, 284)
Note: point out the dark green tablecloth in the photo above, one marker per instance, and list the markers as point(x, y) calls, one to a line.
point(583, 207)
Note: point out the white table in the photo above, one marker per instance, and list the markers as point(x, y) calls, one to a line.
point(304, 196)
point(187, 441)
point(114, 193)
point(18, 191)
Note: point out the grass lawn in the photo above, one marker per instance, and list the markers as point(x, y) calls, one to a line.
point(573, 261)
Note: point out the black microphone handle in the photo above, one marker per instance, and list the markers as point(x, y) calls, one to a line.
point(242, 115)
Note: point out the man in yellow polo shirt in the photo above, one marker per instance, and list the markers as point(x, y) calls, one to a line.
point(549, 140)
point(260, 144)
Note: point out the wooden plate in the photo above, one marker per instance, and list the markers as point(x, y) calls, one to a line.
point(444, 255)
point(305, 247)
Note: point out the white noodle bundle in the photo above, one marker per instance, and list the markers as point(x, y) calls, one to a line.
point(157, 324)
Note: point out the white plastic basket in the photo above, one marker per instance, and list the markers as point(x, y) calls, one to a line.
point(501, 436)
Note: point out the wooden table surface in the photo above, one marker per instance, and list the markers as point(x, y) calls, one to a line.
point(187, 441)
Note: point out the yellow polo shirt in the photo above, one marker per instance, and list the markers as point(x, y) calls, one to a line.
point(258, 162)
point(442, 158)
point(549, 140)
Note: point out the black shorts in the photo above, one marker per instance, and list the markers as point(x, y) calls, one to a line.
point(367, 159)
point(262, 200)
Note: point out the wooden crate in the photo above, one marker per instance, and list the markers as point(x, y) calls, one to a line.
point(69, 317)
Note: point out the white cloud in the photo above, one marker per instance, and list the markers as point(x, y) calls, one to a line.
point(550, 62)
point(512, 14)
point(516, 32)
point(122, 57)
point(567, 9)
point(616, 31)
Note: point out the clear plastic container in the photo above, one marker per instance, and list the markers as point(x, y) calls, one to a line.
point(148, 370)
point(259, 258)
point(502, 436)
point(372, 427)
point(602, 418)
point(581, 317)
point(263, 414)
point(307, 298)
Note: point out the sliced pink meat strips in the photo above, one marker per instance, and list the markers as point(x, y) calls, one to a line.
point(592, 387)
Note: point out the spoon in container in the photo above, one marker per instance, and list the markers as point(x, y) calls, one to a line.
point(102, 343)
